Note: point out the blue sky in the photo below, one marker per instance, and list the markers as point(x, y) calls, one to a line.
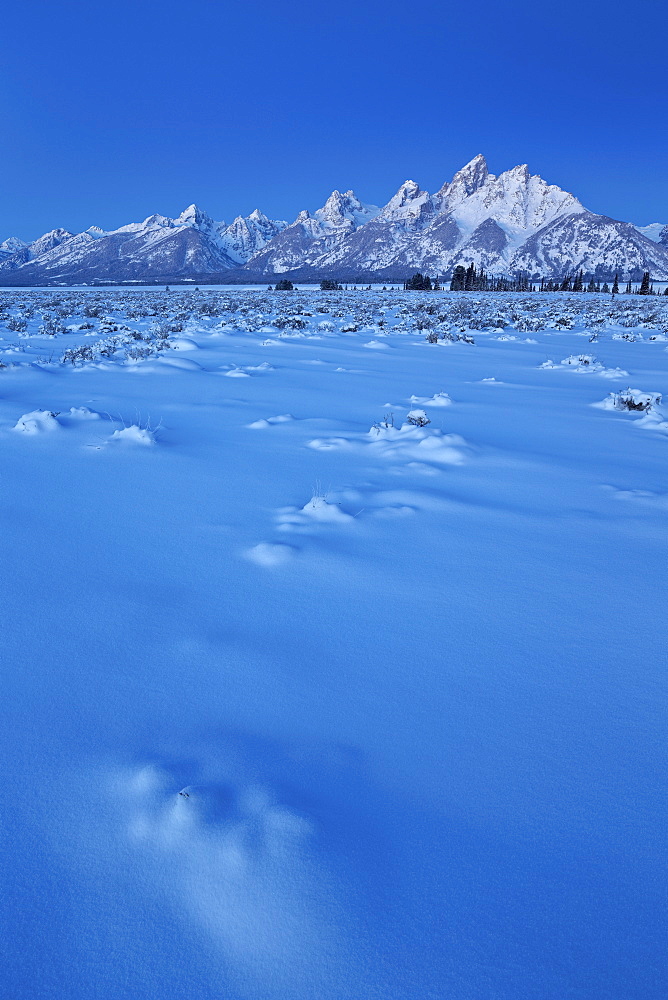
point(112, 113)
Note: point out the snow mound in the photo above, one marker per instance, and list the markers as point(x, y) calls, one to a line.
point(263, 423)
point(586, 364)
point(37, 422)
point(420, 443)
point(186, 364)
point(438, 399)
point(644, 497)
point(237, 860)
point(183, 344)
point(318, 509)
point(134, 435)
point(645, 405)
point(330, 444)
point(412, 441)
point(82, 413)
point(630, 400)
point(270, 554)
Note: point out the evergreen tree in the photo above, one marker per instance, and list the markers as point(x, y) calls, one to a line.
point(628, 289)
point(644, 286)
point(615, 287)
point(418, 283)
point(591, 287)
point(606, 288)
point(565, 284)
point(458, 280)
point(284, 285)
point(470, 278)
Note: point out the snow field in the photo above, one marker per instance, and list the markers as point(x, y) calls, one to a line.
point(309, 698)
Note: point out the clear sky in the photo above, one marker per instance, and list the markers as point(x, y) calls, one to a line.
point(112, 112)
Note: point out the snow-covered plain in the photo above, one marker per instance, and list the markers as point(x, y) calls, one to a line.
point(334, 648)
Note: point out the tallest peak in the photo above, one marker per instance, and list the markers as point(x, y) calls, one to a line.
point(473, 174)
point(467, 180)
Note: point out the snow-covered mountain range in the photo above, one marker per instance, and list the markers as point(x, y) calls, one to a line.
point(504, 224)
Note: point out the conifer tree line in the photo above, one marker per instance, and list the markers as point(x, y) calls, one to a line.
point(422, 283)
point(470, 279)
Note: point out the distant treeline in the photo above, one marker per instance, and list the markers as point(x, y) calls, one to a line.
point(469, 279)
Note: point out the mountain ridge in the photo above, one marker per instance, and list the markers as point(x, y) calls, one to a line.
point(512, 222)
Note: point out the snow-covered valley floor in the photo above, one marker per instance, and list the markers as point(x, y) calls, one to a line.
point(334, 659)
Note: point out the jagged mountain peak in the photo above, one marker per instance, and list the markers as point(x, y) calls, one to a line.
point(344, 212)
point(520, 172)
point(56, 233)
point(517, 200)
point(409, 206)
point(157, 220)
point(12, 245)
point(466, 181)
point(245, 237)
point(51, 239)
point(194, 216)
point(256, 221)
point(151, 222)
point(408, 191)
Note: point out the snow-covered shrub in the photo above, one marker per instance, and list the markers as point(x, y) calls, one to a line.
point(418, 418)
point(78, 355)
point(290, 323)
point(581, 360)
point(139, 353)
point(51, 326)
point(384, 424)
point(635, 401)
